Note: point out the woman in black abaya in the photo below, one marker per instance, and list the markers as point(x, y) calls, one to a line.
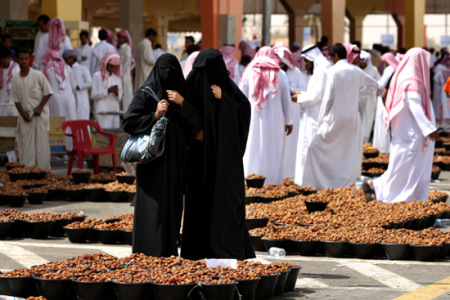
point(160, 183)
point(214, 216)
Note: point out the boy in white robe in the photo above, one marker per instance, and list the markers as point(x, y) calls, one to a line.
point(413, 127)
point(144, 59)
point(8, 68)
point(107, 91)
point(83, 83)
point(99, 51)
point(335, 155)
point(126, 55)
point(267, 88)
point(31, 92)
point(310, 102)
point(84, 51)
point(296, 83)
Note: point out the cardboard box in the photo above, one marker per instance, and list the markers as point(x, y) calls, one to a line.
point(8, 125)
point(101, 141)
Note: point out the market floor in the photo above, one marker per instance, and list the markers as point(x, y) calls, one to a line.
point(321, 277)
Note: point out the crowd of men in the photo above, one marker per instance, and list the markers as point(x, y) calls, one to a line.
point(312, 108)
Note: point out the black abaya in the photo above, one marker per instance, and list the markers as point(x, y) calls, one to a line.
point(160, 183)
point(214, 217)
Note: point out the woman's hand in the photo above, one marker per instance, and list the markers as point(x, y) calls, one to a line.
point(217, 91)
point(175, 97)
point(162, 107)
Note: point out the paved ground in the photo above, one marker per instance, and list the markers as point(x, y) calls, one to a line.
point(321, 277)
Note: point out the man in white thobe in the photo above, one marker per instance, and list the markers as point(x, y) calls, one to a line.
point(83, 82)
point(296, 83)
point(310, 102)
point(31, 92)
point(8, 68)
point(107, 91)
point(84, 51)
point(124, 45)
point(267, 88)
point(144, 59)
point(335, 155)
point(440, 101)
point(99, 51)
point(56, 31)
point(367, 107)
point(413, 132)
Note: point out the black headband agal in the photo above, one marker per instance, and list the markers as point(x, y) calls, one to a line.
point(309, 49)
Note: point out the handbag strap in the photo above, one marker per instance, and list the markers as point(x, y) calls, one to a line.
point(146, 89)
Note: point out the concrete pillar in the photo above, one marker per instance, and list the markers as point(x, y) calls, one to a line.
point(267, 14)
point(333, 14)
point(414, 29)
point(296, 24)
point(400, 22)
point(358, 28)
point(210, 24)
point(162, 29)
point(131, 19)
point(14, 10)
point(68, 10)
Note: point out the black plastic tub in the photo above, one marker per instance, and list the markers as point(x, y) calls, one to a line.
point(18, 176)
point(292, 279)
point(258, 245)
point(266, 286)
point(443, 252)
point(127, 236)
point(95, 195)
point(255, 182)
point(247, 288)
point(128, 179)
point(17, 229)
point(256, 222)
point(335, 249)
point(363, 250)
point(58, 227)
point(281, 282)
point(304, 248)
point(5, 229)
point(36, 198)
point(116, 196)
point(77, 235)
point(252, 199)
point(426, 253)
point(130, 196)
point(171, 291)
point(81, 177)
point(38, 230)
point(17, 286)
point(268, 243)
point(313, 206)
point(396, 251)
point(217, 291)
point(108, 236)
point(93, 290)
point(54, 289)
point(15, 200)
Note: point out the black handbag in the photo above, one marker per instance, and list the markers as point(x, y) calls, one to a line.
point(146, 147)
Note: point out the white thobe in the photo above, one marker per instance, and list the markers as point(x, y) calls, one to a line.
point(296, 82)
point(265, 144)
point(158, 52)
point(309, 102)
point(440, 97)
point(335, 155)
point(106, 102)
point(84, 51)
point(368, 106)
point(8, 109)
point(237, 73)
point(62, 102)
point(44, 46)
point(36, 42)
point(32, 137)
point(411, 159)
point(83, 80)
point(382, 137)
point(127, 84)
point(144, 61)
point(97, 54)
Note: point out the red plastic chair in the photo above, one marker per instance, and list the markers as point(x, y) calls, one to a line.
point(82, 143)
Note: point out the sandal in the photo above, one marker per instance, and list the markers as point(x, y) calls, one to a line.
point(368, 191)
